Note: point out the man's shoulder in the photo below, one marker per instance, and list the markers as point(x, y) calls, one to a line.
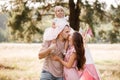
point(46, 43)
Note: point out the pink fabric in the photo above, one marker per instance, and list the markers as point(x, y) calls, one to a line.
point(68, 54)
point(70, 73)
point(89, 31)
point(89, 72)
point(86, 76)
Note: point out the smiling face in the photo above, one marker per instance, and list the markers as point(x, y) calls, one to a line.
point(59, 12)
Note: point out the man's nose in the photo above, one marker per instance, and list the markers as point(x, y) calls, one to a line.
point(69, 33)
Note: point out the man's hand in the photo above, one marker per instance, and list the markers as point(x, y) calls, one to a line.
point(52, 46)
point(47, 51)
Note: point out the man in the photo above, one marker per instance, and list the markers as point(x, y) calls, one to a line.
point(53, 70)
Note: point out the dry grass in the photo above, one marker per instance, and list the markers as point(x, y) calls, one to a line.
point(107, 60)
point(20, 61)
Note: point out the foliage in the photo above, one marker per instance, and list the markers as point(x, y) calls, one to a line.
point(92, 14)
point(2, 35)
point(114, 34)
point(21, 24)
point(95, 15)
point(107, 33)
point(25, 23)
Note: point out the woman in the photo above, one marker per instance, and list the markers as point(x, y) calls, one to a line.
point(74, 60)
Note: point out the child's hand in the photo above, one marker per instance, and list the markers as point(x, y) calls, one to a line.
point(53, 25)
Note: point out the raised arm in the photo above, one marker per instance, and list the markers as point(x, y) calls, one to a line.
point(46, 51)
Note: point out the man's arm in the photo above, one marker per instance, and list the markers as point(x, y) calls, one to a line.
point(46, 51)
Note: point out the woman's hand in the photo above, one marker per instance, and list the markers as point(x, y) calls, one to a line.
point(55, 58)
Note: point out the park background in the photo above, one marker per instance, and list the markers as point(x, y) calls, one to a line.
point(22, 24)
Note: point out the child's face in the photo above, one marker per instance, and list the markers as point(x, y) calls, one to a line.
point(59, 13)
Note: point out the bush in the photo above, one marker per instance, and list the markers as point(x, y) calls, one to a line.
point(2, 36)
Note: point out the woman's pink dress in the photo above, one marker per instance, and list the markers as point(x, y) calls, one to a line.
point(70, 73)
point(89, 72)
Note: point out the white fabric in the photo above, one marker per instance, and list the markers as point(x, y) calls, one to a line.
point(57, 21)
point(89, 59)
point(48, 34)
point(51, 33)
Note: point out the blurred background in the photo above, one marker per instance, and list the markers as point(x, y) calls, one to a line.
point(22, 24)
point(26, 20)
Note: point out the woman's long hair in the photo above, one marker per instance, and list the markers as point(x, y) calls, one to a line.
point(79, 48)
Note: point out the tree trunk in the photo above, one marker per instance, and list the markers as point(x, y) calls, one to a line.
point(74, 14)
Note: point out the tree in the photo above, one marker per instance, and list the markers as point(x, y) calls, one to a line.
point(25, 21)
point(74, 14)
point(21, 25)
point(114, 34)
point(93, 14)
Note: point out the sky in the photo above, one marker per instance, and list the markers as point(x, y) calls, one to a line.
point(108, 2)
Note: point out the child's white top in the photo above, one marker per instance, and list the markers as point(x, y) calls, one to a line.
point(57, 21)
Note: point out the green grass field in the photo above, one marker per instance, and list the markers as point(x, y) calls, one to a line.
point(20, 61)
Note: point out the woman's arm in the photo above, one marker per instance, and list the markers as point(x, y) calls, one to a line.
point(70, 61)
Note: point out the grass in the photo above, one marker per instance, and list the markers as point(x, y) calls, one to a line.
point(20, 62)
point(20, 69)
point(109, 70)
